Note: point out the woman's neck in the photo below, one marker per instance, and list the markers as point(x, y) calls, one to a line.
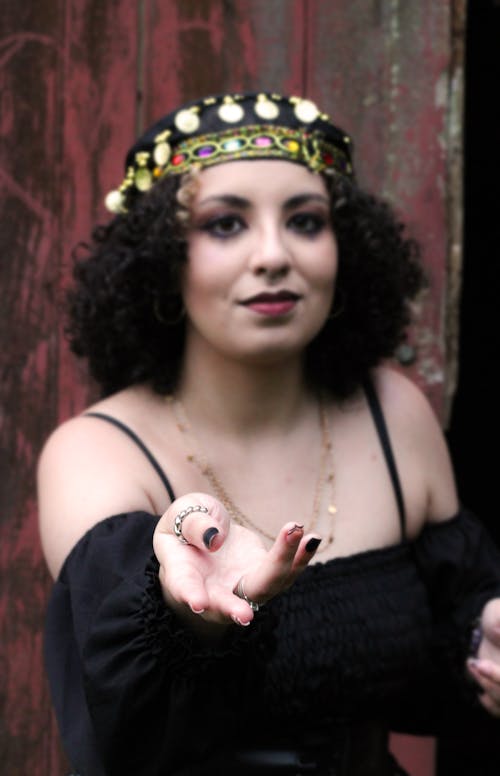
point(237, 397)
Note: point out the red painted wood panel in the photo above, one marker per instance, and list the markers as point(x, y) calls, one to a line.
point(77, 79)
point(67, 90)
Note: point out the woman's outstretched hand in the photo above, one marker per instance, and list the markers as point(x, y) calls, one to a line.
point(485, 669)
point(202, 575)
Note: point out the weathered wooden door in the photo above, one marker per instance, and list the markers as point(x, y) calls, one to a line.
point(78, 79)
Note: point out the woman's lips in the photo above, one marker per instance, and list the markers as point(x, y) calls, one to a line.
point(272, 304)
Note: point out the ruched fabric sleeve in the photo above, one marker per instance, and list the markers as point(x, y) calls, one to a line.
point(134, 690)
point(460, 566)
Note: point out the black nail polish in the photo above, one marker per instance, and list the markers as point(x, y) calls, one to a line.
point(209, 535)
point(312, 544)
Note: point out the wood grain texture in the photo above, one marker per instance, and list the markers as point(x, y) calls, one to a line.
point(384, 70)
point(66, 70)
point(29, 200)
point(78, 79)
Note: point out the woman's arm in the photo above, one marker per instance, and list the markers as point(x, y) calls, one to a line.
point(462, 566)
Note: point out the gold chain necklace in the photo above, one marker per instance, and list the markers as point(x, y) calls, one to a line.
point(325, 474)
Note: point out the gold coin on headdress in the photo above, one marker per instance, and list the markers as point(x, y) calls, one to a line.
point(306, 111)
point(161, 154)
point(114, 201)
point(187, 121)
point(143, 179)
point(265, 108)
point(231, 112)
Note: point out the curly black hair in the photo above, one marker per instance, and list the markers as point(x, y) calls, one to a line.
point(124, 306)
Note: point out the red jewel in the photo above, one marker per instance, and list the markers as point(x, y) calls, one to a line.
point(178, 159)
point(328, 159)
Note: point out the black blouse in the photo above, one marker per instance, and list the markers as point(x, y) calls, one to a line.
point(378, 635)
point(381, 635)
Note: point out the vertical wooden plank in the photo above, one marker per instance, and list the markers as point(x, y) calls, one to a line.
point(30, 119)
point(67, 91)
point(383, 70)
point(196, 48)
point(100, 97)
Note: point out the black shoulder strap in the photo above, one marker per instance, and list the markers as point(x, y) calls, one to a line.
point(380, 424)
point(140, 444)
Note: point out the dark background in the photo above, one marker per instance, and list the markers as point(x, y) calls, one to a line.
point(474, 428)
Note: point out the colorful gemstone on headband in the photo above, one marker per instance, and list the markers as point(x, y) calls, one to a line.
point(292, 145)
point(265, 108)
point(205, 151)
point(187, 121)
point(161, 154)
point(234, 144)
point(178, 159)
point(328, 158)
point(143, 179)
point(306, 111)
point(263, 141)
point(230, 112)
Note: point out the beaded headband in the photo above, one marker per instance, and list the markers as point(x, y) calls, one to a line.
point(222, 129)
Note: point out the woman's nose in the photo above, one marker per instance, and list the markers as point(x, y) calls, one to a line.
point(271, 255)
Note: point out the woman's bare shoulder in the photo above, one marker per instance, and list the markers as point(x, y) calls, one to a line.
point(400, 394)
point(418, 439)
point(85, 473)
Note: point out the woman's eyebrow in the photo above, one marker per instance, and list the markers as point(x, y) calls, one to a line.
point(227, 199)
point(304, 199)
point(233, 200)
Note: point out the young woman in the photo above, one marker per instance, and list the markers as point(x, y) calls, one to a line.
point(261, 563)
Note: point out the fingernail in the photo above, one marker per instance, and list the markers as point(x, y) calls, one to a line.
point(295, 528)
point(238, 622)
point(478, 664)
point(312, 545)
point(196, 611)
point(209, 536)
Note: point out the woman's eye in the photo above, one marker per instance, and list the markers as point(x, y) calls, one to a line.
point(308, 223)
point(223, 226)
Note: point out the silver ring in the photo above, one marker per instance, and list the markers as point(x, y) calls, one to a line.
point(179, 519)
point(239, 591)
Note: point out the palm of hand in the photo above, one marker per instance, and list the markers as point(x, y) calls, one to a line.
point(204, 577)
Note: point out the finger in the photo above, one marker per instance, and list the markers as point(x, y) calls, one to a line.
point(490, 622)
point(225, 606)
point(285, 545)
point(486, 670)
point(490, 704)
point(488, 692)
point(215, 604)
point(306, 551)
point(182, 584)
point(275, 573)
point(487, 676)
point(197, 519)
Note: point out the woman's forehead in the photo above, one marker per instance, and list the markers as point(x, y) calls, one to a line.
point(254, 177)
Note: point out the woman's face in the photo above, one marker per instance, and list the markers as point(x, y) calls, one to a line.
point(262, 260)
